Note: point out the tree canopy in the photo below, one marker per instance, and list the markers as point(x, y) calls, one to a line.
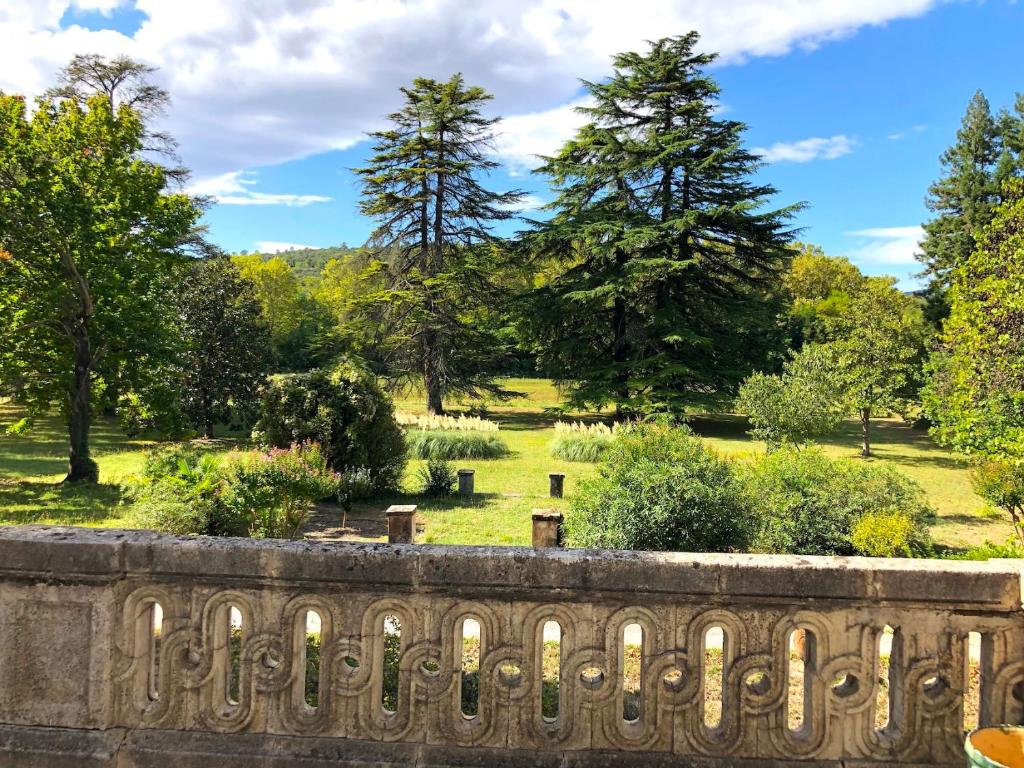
point(670, 258)
point(90, 237)
point(975, 393)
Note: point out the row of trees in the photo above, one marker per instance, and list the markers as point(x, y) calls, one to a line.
point(660, 278)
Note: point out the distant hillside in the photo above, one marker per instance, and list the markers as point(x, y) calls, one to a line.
point(308, 262)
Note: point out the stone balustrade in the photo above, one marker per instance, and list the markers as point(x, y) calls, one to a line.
point(125, 648)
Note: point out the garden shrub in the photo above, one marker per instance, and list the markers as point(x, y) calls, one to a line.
point(576, 441)
point(178, 492)
point(346, 412)
point(438, 477)
point(989, 551)
point(273, 492)
point(883, 534)
point(809, 504)
point(1000, 482)
point(578, 447)
point(659, 488)
point(455, 444)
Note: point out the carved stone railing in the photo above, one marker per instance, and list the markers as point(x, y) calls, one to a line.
point(86, 680)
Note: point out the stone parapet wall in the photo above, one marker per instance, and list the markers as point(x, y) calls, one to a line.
point(85, 680)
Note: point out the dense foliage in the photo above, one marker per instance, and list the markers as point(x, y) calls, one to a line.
point(805, 401)
point(183, 490)
point(1000, 482)
point(345, 411)
point(226, 345)
point(658, 487)
point(975, 394)
point(179, 492)
point(668, 256)
point(89, 240)
point(808, 504)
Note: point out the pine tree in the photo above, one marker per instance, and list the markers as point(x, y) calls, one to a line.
point(962, 199)
point(434, 242)
point(671, 261)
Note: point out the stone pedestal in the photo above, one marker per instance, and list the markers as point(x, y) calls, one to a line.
point(401, 524)
point(557, 484)
point(547, 528)
point(466, 482)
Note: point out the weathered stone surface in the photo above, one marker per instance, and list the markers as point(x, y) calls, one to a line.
point(78, 650)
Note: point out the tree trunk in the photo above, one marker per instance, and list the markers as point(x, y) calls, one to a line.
point(207, 417)
point(81, 467)
point(620, 347)
point(432, 384)
point(431, 374)
point(865, 431)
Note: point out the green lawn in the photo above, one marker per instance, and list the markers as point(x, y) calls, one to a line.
point(507, 490)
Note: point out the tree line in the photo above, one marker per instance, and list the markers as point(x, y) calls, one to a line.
point(661, 278)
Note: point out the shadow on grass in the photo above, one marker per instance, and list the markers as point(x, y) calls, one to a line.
point(74, 504)
point(367, 519)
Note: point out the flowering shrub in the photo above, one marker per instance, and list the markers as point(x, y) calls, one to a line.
point(345, 411)
point(273, 491)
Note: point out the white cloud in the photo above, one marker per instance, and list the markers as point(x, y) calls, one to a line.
point(527, 203)
point(522, 138)
point(261, 83)
point(805, 150)
point(235, 188)
point(898, 135)
point(886, 245)
point(105, 7)
point(274, 246)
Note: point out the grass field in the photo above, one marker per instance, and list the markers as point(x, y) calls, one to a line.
point(507, 489)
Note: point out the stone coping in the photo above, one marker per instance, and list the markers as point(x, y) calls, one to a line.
point(70, 554)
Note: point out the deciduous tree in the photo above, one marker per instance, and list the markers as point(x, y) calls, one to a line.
point(975, 394)
point(90, 238)
point(879, 344)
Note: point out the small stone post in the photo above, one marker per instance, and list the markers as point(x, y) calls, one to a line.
point(401, 524)
point(557, 484)
point(466, 482)
point(547, 528)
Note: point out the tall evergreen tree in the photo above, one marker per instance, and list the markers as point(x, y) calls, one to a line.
point(434, 242)
point(962, 199)
point(671, 260)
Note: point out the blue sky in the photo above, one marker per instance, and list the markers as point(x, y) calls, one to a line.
point(853, 102)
